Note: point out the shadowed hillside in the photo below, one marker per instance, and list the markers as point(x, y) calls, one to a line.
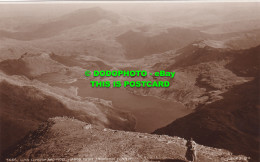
point(233, 121)
point(24, 107)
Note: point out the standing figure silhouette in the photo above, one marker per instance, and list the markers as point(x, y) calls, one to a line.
point(191, 152)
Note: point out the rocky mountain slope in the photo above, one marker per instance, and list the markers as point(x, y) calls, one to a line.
point(231, 121)
point(71, 139)
point(204, 70)
point(25, 103)
point(222, 86)
point(51, 68)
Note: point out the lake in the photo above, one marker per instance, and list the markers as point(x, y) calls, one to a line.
point(150, 112)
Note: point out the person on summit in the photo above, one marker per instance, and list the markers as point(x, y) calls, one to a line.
point(191, 152)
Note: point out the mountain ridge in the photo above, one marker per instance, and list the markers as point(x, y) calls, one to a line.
point(95, 143)
point(68, 21)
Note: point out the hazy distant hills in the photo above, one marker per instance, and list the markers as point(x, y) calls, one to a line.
point(49, 29)
point(138, 45)
point(110, 36)
point(89, 31)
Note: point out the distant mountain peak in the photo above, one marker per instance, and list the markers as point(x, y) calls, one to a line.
point(94, 13)
point(93, 9)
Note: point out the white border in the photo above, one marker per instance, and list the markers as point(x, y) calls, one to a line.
point(120, 1)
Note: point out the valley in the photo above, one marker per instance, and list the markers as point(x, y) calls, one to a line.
point(210, 58)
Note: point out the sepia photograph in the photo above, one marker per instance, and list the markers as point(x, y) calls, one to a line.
point(174, 81)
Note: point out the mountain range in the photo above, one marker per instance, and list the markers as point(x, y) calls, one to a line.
point(47, 108)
